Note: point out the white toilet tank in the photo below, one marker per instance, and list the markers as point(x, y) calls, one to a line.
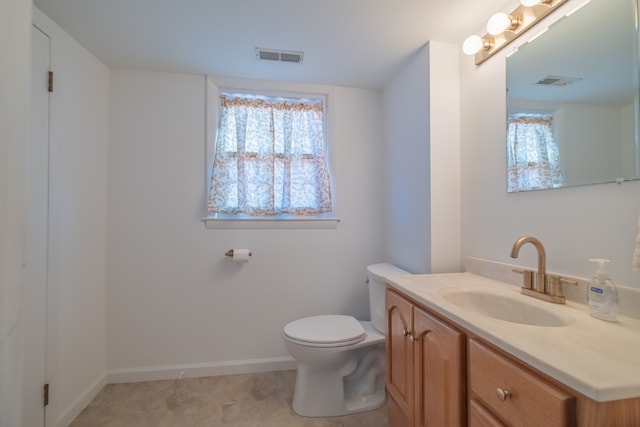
point(376, 276)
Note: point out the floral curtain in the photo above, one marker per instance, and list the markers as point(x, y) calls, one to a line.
point(533, 160)
point(270, 158)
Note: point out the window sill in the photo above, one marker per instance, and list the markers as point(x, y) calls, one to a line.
point(282, 222)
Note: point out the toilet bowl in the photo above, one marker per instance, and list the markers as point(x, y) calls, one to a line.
point(341, 360)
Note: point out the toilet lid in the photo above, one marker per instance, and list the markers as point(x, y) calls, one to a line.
point(326, 329)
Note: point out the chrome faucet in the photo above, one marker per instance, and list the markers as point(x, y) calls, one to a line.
point(540, 285)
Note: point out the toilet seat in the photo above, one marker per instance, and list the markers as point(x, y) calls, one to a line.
point(325, 331)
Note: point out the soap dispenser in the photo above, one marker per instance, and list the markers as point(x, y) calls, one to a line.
point(602, 293)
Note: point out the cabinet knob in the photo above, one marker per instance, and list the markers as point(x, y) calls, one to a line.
point(503, 394)
point(408, 335)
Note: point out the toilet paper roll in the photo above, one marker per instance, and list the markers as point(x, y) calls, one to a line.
point(241, 255)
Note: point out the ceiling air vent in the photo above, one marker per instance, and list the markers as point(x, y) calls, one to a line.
point(279, 55)
point(557, 81)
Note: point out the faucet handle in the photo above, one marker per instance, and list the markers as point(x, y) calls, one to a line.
point(527, 277)
point(556, 282)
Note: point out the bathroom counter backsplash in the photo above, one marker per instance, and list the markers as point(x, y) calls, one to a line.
point(628, 297)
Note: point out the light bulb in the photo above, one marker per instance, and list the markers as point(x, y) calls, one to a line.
point(498, 23)
point(472, 45)
point(530, 3)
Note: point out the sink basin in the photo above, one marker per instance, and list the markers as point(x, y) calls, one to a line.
point(505, 305)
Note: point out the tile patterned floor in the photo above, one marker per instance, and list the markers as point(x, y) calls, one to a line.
point(252, 400)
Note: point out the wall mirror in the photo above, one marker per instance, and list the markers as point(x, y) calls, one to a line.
point(572, 100)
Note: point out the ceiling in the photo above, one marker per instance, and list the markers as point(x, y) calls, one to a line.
point(357, 43)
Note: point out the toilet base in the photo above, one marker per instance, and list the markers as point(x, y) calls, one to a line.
point(357, 385)
point(316, 402)
point(355, 404)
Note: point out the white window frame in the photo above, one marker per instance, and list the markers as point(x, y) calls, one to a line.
point(230, 221)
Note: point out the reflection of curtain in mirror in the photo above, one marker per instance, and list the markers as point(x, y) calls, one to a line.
point(533, 160)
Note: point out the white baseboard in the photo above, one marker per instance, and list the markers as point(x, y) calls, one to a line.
point(68, 415)
point(194, 370)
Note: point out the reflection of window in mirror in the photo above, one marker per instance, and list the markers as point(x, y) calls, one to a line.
point(533, 159)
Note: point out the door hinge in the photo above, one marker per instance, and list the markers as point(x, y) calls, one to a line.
point(50, 81)
point(46, 394)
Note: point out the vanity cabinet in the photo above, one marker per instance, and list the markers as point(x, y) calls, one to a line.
point(425, 367)
point(439, 375)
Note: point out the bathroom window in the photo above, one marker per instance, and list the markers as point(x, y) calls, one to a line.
point(533, 160)
point(270, 158)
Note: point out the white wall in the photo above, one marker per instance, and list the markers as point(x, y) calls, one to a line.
point(421, 112)
point(15, 30)
point(446, 232)
point(574, 224)
point(175, 301)
point(407, 159)
point(630, 162)
point(77, 225)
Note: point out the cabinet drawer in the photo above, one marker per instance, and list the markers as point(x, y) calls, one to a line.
point(479, 416)
point(527, 400)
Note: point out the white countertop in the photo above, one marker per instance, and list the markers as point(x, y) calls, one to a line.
point(596, 358)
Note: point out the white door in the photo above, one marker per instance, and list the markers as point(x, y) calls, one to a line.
point(37, 234)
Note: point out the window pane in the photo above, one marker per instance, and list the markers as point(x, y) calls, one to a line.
point(270, 157)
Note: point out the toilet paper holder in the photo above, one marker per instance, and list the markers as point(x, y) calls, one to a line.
point(229, 253)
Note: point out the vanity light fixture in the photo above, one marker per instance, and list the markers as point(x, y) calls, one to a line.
point(474, 44)
point(530, 3)
point(501, 22)
point(503, 28)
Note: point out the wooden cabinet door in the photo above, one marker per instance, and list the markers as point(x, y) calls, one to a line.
point(400, 381)
point(439, 372)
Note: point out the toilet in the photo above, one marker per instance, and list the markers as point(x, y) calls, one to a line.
point(341, 360)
